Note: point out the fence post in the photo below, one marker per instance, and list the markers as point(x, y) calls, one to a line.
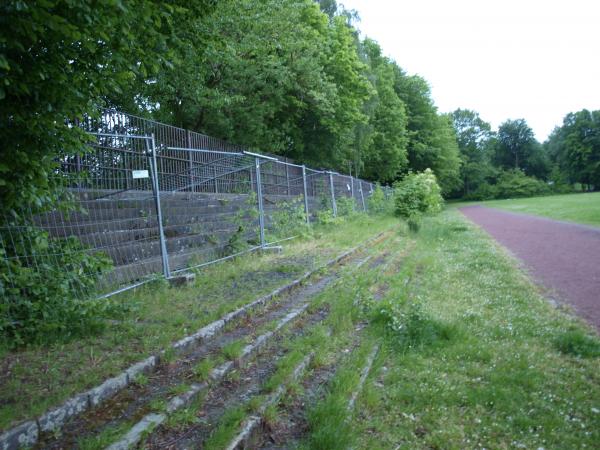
point(216, 183)
point(362, 196)
point(261, 211)
point(305, 195)
point(333, 204)
point(287, 179)
point(156, 189)
point(188, 139)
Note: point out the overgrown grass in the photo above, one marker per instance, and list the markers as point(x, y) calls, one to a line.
point(203, 369)
point(328, 419)
point(37, 378)
point(233, 350)
point(577, 342)
point(580, 208)
point(103, 439)
point(486, 363)
point(327, 341)
point(230, 422)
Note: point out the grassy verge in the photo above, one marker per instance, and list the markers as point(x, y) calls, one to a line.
point(580, 208)
point(37, 378)
point(474, 357)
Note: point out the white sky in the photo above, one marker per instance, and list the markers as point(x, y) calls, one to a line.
point(510, 59)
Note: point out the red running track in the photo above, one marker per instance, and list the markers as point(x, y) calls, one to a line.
point(562, 256)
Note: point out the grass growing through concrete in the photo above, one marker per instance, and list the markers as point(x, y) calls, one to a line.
point(328, 341)
point(34, 379)
point(329, 418)
point(475, 358)
point(580, 208)
point(233, 350)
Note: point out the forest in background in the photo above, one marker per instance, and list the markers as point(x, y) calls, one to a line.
point(290, 77)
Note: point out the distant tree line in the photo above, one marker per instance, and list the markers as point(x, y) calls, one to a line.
point(512, 163)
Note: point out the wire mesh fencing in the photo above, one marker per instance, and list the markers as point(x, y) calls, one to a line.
point(151, 200)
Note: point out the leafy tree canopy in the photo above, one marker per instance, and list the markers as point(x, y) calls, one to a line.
point(575, 147)
point(517, 148)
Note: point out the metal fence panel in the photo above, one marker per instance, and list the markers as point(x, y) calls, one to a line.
point(159, 199)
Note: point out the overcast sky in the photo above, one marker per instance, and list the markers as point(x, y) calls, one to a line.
point(530, 59)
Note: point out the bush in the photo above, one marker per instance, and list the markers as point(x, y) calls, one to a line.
point(48, 290)
point(346, 206)
point(289, 219)
point(379, 202)
point(416, 194)
point(510, 184)
point(484, 191)
point(514, 183)
point(325, 217)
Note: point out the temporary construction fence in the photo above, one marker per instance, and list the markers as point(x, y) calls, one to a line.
point(158, 200)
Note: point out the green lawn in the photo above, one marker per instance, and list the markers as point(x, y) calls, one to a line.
point(473, 357)
point(580, 208)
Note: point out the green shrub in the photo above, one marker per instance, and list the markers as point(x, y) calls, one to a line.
point(47, 286)
point(379, 202)
point(289, 219)
point(243, 219)
point(514, 183)
point(484, 191)
point(325, 217)
point(346, 206)
point(416, 194)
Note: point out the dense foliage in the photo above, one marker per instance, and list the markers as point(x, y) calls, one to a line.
point(39, 301)
point(417, 194)
point(512, 163)
point(229, 69)
point(574, 148)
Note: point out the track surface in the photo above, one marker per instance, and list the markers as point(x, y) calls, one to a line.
point(564, 257)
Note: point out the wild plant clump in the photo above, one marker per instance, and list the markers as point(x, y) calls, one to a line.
point(346, 206)
point(417, 194)
point(379, 202)
point(48, 295)
point(289, 219)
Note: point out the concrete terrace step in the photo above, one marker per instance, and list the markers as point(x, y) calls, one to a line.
point(102, 215)
point(117, 237)
point(143, 195)
point(139, 270)
point(138, 251)
point(171, 224)
point(197, 227)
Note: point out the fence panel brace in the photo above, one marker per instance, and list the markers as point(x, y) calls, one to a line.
point(362, 197)
point(156, 189)
point(305, 195)
point(333, 204)
point(261, 211)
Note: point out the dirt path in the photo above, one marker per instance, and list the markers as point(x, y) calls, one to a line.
point(562, 256)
